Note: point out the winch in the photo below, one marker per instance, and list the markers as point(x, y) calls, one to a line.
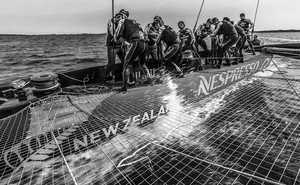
point(44, 83)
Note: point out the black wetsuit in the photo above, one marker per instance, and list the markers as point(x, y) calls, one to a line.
point(173, 50)
point(230, 37)
point(132, 32)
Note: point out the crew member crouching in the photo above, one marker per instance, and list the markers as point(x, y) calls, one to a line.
point(173, 50)
point(132, 33)
point(151, 35)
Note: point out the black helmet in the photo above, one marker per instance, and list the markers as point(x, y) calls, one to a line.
point(215, 19)
point(181, 22)
point(226, 19)
point(157, 17)
point(242, 14)
point(124, 12)
point(209, 20)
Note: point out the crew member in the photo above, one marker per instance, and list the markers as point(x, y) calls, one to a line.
point(230, 38)
point(113, 48)
point(186, 37)
point(255, 41)
point(203, 38)
point(215, 22)
point(240, 44)
point(247, 25)
point(151, 35)
point(132, 33)
point(172, 53)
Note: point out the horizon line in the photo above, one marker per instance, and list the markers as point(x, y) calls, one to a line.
point(41, 34)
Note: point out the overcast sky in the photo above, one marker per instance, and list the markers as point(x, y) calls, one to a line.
point(90, 16)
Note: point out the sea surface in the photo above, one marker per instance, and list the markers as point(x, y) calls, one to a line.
point(25, 55)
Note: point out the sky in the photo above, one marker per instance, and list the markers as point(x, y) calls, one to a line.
point(91, 16)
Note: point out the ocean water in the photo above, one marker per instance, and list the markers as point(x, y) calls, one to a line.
point(24, 55)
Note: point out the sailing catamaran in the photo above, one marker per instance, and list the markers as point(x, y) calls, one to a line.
point(235, 125)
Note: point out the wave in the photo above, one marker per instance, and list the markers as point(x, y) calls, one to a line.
point(279, 40)
point(52, 56)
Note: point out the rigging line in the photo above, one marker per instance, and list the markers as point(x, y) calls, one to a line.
point(113, 43)
point(67, 165)
point(211, 163)
point(286, 79)
point(255, 16)
point(194, 29)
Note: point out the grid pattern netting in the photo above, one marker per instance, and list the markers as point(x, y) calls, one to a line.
point(250, 135)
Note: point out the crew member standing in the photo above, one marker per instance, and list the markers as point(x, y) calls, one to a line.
point(203, 33)
point(230, 38)
point(186, 37)
point(240, 44)
point(132, 33)
point(172, 52)
point(113, 47)
point(247, 25)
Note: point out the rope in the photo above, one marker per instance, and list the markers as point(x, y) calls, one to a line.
point(67, 165)
point(85, 80)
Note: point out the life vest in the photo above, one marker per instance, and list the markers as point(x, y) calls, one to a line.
point(185, 36)
point(244, 23)
point(151, 34)
point(208, 41)
point(169, 36)
point(132, 30)
point(239, 30)
point(227, 29)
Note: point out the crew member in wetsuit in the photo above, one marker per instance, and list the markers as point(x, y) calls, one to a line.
point(246, 24)
point(113, 48)
point(151, 35)
point(215, 22)
point(203, 31)
point(172, 53)
point(186, 37)
point(230, 38)
point(132, 33)
point(255, 41)
point(240, 44)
